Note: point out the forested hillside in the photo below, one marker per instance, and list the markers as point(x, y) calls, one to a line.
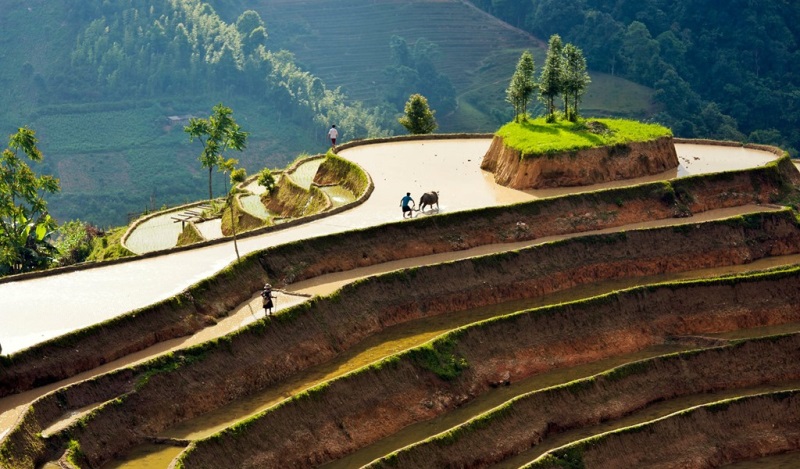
point(726, 70)
point(109, 85)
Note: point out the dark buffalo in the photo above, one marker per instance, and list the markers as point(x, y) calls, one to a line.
point(429, 199)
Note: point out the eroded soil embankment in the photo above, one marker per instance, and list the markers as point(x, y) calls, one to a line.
point(212, 298)
point(269, 351)
point(712, 435)
point(578, 168)
point(349, 413)
point(524, 422)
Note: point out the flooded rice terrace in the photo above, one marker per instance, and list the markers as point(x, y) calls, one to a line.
point(451, 167)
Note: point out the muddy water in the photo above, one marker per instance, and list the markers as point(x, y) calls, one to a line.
point(339, 195)
point(655, 411)
point(779, 461)
point(765, 331)
point(157, 233)
point(304, 174)
point(252, 204)
point(146, 457)
point(210, 229)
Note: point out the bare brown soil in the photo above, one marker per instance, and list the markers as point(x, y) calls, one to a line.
point(709, 436)
point(177, 387)
point(530, 419)
point(360, 408)
point(578, 168)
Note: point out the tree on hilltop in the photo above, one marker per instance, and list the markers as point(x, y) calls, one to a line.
point(25, 225)
point(522, 86)
point(218, 133)
point(419, 117)
point(550, 82)
point(575, 80)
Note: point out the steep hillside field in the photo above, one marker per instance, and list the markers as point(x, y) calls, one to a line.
point(116, 152)
point(347, 44)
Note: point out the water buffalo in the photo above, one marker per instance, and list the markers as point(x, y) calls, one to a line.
point(429, 198)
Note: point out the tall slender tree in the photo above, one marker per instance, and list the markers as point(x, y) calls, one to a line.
point(550, 82)
point(522, 86)
point(238, 176)
point(25, 225)
point(575, 80)
point(218, 133)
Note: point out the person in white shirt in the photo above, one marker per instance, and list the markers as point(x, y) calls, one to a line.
point(332, 134)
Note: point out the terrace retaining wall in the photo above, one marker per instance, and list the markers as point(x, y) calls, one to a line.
point(578, 168)
point(204, 302)
point(269, 351)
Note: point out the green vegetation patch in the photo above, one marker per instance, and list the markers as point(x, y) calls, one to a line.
point(189, 235)
point(337, 170)
point(109, 246)
point(440, 357)
point(538, 137)
point(244, 221)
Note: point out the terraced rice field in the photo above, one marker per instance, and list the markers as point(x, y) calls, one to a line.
point(303, 174)
point(416, 333)
point(579, 336)
point(252, 204)
point(210, 229)
point(339, 195)
point(155, 234)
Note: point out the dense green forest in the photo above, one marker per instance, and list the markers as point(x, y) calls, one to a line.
point(727, 71)
point(109, 84)
point(110, 91)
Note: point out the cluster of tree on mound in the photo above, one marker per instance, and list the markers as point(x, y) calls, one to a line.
point(564, 74)
point(724, 73)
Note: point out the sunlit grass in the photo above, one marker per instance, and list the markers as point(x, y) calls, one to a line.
point(538, 137)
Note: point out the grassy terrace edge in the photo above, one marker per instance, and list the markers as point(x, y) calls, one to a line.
point(537, 137)
point(439, 355)
point(496, 415)
point(573, 455)
point(192, 296)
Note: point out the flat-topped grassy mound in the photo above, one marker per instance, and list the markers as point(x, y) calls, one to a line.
point(537, 154)
point(536, 138)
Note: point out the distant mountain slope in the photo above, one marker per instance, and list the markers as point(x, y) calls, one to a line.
point(99, 82)
point(723, 70)
point(347, 44)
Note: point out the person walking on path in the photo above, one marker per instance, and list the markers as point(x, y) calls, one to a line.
point(333, 134)
point(266, 299)
point(407, 204)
